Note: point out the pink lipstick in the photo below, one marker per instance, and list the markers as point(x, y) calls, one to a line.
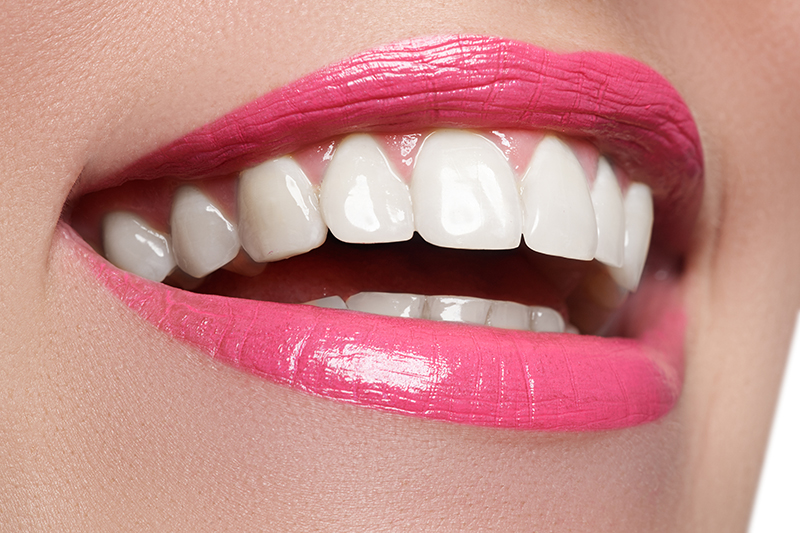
point(453, 372)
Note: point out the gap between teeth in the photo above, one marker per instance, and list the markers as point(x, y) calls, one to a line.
point(462, 193)
point(466, 310)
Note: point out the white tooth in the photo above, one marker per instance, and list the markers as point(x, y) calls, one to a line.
point(544, 319)
point(278, 211)
point(389, 304)
point(570, 328)
point(362, 199)
point(329, 302)
point(203, 239)
point(610, 215)
point(558, 214)
point(464, 193)
point(509, 315)
point(638, 226)
point(456, 309)
point(132, 245)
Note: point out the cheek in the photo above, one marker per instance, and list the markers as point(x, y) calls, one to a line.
point(743, 286)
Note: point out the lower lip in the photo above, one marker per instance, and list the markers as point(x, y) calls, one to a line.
point(465, 374)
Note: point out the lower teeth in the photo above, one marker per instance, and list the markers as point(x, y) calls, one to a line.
point(497, 314)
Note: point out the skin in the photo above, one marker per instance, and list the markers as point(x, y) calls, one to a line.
point(106, 424)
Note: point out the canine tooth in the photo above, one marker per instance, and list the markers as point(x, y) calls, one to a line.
point(388, 304)
point(558, 215)
point(456, 309)
point(544, 319)
point(362, 199)
point(464, 193)
point(509, 315)
point(202, 237)
point(132, 245)
point(329, 302)
point(278, 211)
point(610, 215)
point(638, 226)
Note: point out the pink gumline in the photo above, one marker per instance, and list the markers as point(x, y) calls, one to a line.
point(471, 375)
point(621, 106)
point(401, 150)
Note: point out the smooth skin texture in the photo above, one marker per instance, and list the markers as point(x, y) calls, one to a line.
point(106, 424)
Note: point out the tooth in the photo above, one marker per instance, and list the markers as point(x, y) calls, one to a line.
point(638, 226)
point(610, 215)
point(329, 302)
point(544, 319)
point(278, 211)
point(132, 245)
point(362, 199)
point(558, 214)
point(389, 304)
point(464, 193)
point(509, 315)
point(203, 239)
point(456, 309)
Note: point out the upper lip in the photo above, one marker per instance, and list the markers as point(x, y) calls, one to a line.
point(627, 110)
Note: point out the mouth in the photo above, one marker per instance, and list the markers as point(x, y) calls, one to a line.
point(461, 228)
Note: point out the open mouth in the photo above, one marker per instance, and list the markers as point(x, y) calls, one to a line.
point(451, 227)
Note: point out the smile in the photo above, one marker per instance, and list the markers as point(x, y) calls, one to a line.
point(445, 227)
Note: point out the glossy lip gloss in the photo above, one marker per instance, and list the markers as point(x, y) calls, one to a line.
point(452, 372)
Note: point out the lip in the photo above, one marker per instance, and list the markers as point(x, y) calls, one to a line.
point(473, 375)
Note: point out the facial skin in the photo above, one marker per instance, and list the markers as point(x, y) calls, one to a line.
point(107, 424)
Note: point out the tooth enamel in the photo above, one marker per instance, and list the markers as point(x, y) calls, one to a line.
point(388, 304)
point(509, 315)
point(610, 215)
point(132, 245)
point(497, 314)
point(544, 319)
point(278, 211)
point(203, 239)
point(329, 302)
point(558, 215)
point(456, 309)
point(464, 193)
point(362, 199)
point(638, 226)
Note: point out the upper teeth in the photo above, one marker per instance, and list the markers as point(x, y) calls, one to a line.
point(463, 193)
point(131, 244)
point(278, 211)
point(203, 239)
point(362, 198)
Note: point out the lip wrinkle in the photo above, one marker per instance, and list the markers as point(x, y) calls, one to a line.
point(622, 106)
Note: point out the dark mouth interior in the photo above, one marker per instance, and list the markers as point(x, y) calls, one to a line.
point(343, 269)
